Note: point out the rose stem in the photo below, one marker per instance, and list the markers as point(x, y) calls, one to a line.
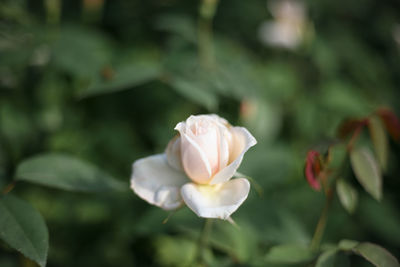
point(319, 230)
point(329, 193)
point(205, 232)
point(355, 135)
point(205, 33)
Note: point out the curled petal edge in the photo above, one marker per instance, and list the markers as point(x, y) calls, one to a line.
point(216, 201)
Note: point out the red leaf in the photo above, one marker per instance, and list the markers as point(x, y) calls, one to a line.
point(349, 126)
point(391, 122)
point(312, 169)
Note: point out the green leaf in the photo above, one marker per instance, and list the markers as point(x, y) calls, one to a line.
point(23, 228)
point(68, 173)
point(289, 254)
point(181, 25)
point(195, 90)
point(344, 98)
point(379, 140)
point(376, 255)
point(175, 251)
point(348, 196)
point(337, 156)
point(327, 259)
point(367, 171)
point(381, 219)
point(346, 244)
point(81, 52)
point(239, 243)
point(123, 77)
point(373, 253)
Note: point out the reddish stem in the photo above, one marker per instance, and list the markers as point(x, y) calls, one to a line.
point(8, 188)
point(356, 134)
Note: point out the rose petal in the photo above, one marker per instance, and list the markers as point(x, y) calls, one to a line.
point(242, 140)
point(216, 201)
point(156, 182)
point(208, 143)
point(194, 160)
point(214, 117)
point(225, 138)
point(173, 152)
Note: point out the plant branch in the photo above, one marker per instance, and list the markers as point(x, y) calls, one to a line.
point(321, 225)
point(205, 32)
point(356, 134)
point(203, 240)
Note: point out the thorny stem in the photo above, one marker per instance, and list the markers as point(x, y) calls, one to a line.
point(205, 32)
point(203, 240)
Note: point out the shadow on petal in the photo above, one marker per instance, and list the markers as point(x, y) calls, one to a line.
point(155, 181)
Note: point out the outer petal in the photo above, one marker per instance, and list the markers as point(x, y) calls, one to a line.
point(173, 152)
point(242, 140)
point(156, 182)
point(216, 201)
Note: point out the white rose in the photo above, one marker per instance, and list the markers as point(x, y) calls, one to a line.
point(289, 28)
point(196, 168)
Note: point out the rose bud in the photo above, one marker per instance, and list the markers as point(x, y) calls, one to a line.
point(312, 169)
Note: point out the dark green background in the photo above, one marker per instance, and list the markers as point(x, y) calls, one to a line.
point(109, 87)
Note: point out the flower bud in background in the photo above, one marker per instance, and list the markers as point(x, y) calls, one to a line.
point(312, 169)
point(288, 28)
point(197, 168)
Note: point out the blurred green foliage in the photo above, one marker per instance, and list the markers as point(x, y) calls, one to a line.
point(106, 82)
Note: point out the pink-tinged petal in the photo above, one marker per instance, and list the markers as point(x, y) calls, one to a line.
point(194, 161)
point(214, 117)
point(216, 201)
point(173, 152)
point(312, 170)
point(242, 140)
point(208, 143)
point(155, 181)
point(225, 139)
